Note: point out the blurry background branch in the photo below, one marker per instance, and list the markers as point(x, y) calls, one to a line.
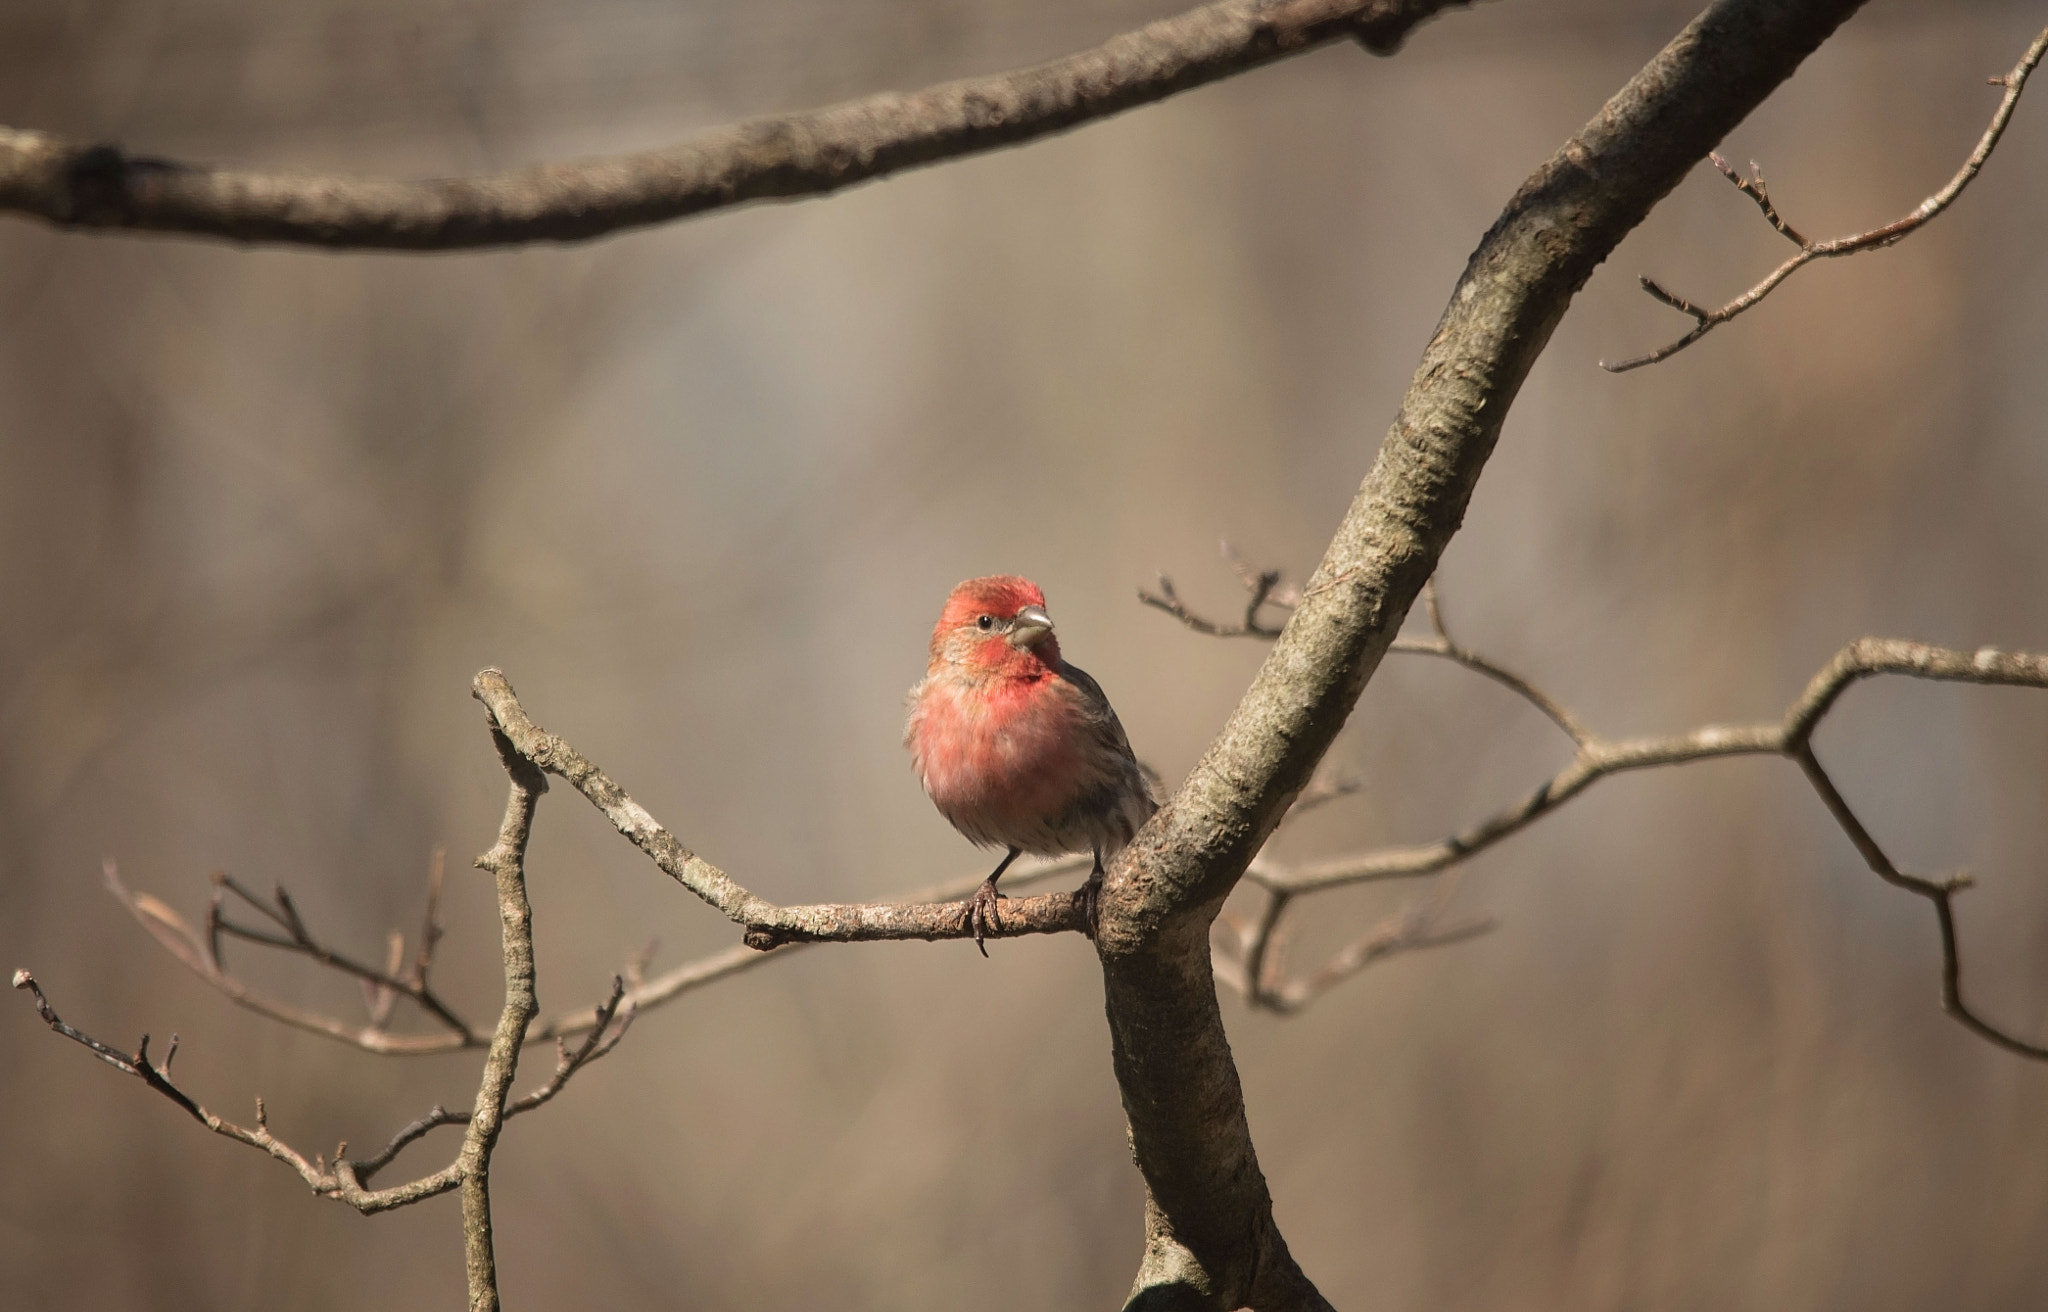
point(1814, 495)
point(1252, 948)
point(806, 154)
point(639, 991)
point(1753, 187)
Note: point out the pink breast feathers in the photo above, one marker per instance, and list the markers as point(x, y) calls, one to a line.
point(998, 760)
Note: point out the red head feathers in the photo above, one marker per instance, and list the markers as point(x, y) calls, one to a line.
point(998, 624)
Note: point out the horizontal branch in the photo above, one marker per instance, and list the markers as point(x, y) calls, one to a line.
point(1248, 960)
point(1597, 758)
point(83, 185)
point(767, 925)
point(1705, 321)
point(177, 937)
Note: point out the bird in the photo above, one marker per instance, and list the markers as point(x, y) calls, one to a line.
point(1016, 746)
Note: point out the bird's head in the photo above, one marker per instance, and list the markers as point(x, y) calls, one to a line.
point(996, 625)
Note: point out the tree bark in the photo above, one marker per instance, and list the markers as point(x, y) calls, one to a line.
point(1211, 1240)
point(97, 185)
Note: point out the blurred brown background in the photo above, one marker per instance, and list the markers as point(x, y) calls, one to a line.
point(700, 491)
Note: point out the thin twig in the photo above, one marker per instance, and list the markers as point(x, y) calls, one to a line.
point(1246, 963)
point(600, 1039)
point(1705, 321)
point(1264, 587)
point(1253, 965)
point(335, 1181)
point(470, 1171)
point(202, 955)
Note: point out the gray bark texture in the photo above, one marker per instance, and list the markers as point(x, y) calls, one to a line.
point(97, 185)
point(1211, 1239)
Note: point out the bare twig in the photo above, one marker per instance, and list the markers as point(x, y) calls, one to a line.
point(329, 1180)
point(1252, 964)
point(202, 955)
point(298, 938)
point(430, 925)
point(1244, 964)
point(1443, 646)
point(81, 185)
point(601, 1037)
point(1264, 586)
point(343, 1179)
point(1705, 321)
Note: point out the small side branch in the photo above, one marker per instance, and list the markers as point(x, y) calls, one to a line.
point(1248, 954)
point(1263, 586)
point(342, 1178)
point(643, 992)
point(766, 924)
point(1705, 321)
point(334, 1179)
point(203, 955)
point(610, 1021)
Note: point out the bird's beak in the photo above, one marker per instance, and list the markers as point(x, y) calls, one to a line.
point(1031, 626)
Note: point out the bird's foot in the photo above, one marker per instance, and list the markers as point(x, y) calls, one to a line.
point(1089, 895)
point(978, 913)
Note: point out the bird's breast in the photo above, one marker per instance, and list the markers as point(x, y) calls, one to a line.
point(999, 756)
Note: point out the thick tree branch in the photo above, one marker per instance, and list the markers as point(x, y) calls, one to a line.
point(1705, 321)
point(79, 185)
point(1212, 1242)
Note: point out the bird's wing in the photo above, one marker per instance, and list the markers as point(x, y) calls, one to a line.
point(1100, 716)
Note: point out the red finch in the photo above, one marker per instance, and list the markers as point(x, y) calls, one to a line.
point(1016, 747)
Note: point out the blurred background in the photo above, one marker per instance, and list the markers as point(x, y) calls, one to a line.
point(701, 490)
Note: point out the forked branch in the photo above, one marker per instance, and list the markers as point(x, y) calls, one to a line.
point(342, 1178)
point(1248, 952)
point(1705, 321)
point(767, 925)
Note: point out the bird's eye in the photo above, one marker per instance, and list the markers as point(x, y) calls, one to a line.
point(986, 622)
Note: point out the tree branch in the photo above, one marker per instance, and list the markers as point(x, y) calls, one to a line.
point(1705, 321)
point(203, 956)
point(80, 185)
point(343, 1179)
point(1247, 961)
point(177, 937)
point(1250, 961)
point(767, 925)
point(1211, 1239)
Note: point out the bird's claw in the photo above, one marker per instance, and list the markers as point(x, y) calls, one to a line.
point(978, 913)
point(1089, 895)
